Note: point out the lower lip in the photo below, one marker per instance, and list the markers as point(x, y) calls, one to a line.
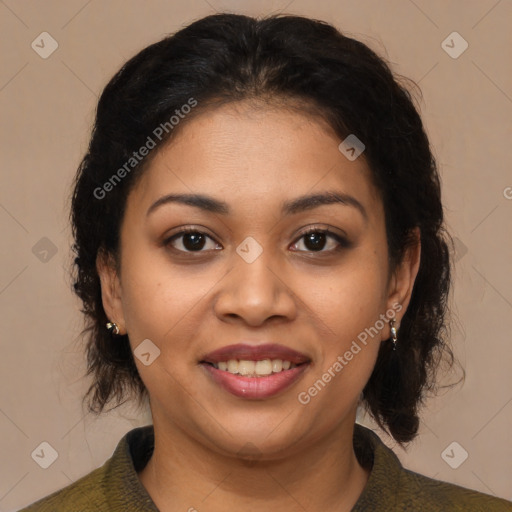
point(255, 387)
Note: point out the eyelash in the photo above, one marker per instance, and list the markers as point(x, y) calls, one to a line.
point(343, 242)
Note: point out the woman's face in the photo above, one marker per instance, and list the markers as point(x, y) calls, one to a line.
point(249, 275)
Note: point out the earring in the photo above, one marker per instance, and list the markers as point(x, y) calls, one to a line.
point(113, 328)
point(393, 332)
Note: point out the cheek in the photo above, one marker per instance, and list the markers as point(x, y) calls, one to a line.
point(156, 296)
point(349, 304)
point(350, 298)
point(166, 305)
point(347, 355)
point(157, 305)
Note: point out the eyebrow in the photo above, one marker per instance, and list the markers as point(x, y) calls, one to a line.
point(300, 204)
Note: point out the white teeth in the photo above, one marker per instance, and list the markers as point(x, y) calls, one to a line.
point(246, 367)
point(233, 366)
point(254, 368)
point(277, 365)
point(263, 367)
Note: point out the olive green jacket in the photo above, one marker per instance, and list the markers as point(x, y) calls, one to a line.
point(116, 487)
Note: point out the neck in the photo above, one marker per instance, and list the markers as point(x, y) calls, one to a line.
point(183, 474)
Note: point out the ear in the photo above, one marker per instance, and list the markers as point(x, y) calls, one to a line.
point(403, 278)
point(110, 289)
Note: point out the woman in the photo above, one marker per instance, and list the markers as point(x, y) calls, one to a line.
point(260, 249)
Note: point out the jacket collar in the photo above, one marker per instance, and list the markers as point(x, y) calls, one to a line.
point(126, 492)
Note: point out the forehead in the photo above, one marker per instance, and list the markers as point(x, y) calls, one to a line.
point(247, 154)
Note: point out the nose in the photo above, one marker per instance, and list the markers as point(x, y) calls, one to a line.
point(255, 292)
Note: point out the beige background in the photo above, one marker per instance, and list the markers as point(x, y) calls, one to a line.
point(47, 109)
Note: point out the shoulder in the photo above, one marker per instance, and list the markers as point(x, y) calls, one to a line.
point(418, 492)
point(86, 494)
point(393, 487)
point(113, 487)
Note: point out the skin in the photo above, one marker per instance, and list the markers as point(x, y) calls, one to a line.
point(191, 303)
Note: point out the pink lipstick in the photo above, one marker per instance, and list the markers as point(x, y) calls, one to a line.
point(255, 371)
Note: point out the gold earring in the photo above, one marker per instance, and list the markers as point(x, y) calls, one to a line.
point(393, 332)
point(113, 328)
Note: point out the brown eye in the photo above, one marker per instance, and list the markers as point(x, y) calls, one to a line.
point(191, 241)
point(315, 240)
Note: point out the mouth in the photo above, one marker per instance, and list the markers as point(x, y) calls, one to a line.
point(255, 371)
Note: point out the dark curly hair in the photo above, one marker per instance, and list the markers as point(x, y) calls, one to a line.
point(289, 59)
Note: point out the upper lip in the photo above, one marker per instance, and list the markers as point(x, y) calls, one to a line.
point(242, 351)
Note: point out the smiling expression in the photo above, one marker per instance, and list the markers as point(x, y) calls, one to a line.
point(274, 180)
